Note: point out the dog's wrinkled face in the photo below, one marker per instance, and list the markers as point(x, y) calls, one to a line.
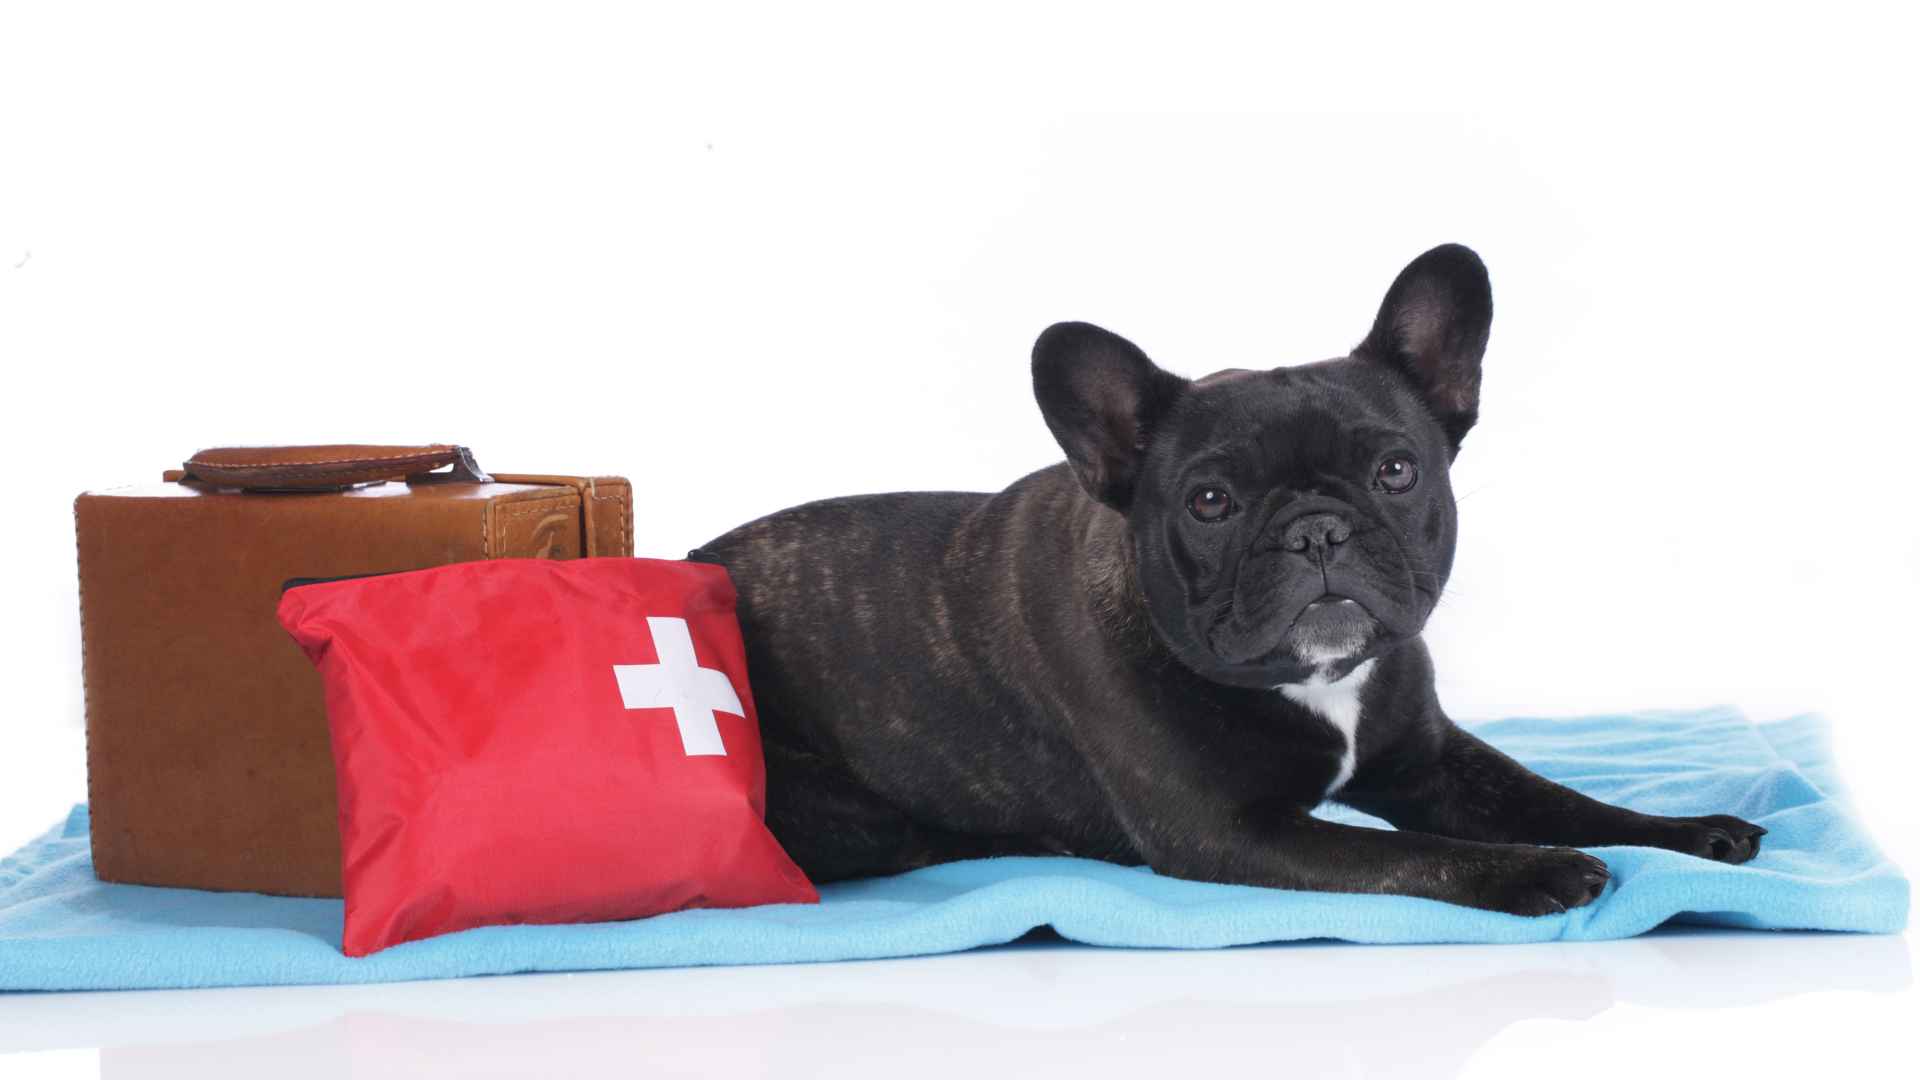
point(1287, 523)
point(1292, 520)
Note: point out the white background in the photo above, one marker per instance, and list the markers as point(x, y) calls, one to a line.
point(752, 256)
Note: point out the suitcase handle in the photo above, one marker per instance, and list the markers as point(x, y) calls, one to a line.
point(324, 468)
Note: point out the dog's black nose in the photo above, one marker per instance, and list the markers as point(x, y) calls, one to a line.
point(1315, 531)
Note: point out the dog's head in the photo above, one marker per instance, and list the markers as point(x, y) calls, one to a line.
point(1291, 522)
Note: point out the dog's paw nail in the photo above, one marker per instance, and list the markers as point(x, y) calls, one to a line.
point(1547, 881)
point(1596, 880)
point(1721, 838)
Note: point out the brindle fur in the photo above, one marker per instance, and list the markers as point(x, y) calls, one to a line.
point(1063, 667)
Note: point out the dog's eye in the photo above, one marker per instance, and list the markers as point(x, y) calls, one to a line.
point(1395, 475)
point(1210, 503)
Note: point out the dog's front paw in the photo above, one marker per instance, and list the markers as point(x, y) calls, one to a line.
point(1718, 837)
point(1541, 881)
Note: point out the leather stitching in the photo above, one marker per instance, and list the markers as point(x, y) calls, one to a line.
point(545, 507)
point(590, 518)
point(538, 511)
point(525, 509)
point(491, 524)
point(625, 517)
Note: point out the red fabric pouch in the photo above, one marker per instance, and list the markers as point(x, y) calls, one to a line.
point(525, 741)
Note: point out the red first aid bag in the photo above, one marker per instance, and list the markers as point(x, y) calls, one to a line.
point(528, 741)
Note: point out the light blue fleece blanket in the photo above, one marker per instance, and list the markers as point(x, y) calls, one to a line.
point(62, 930)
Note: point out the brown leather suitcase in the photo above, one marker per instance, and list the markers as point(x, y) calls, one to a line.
point(207, 757)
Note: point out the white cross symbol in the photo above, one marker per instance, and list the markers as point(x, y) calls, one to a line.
point(678, 682)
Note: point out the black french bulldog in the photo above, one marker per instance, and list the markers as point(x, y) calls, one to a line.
point(1173, 646)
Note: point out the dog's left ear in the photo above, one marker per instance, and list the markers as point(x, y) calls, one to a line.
point(1432, 328)
point(1102, 398)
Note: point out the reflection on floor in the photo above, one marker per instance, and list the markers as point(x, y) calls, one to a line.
point(1309, 1009)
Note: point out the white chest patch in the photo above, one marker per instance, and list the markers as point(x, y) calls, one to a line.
point(1338, 703)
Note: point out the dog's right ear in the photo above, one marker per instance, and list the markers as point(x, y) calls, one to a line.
point(1102, 399)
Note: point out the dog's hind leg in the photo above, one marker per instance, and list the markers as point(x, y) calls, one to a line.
point(834, 827)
